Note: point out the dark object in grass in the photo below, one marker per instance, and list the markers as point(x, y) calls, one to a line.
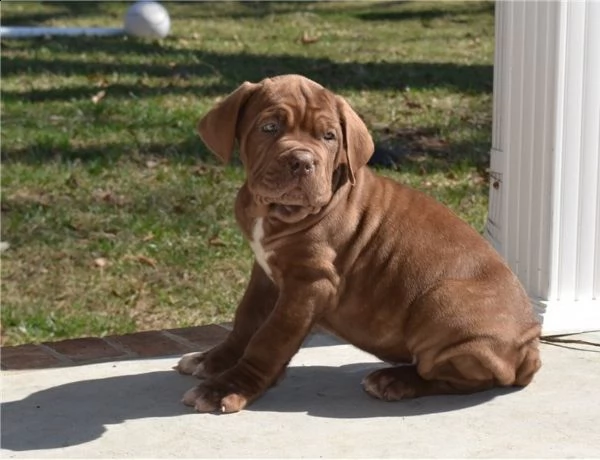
point(385, 157)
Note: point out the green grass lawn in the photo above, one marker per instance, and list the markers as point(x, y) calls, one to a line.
point(118, 218)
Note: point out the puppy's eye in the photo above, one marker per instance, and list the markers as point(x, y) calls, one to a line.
point(329, 136)
point(270, 128)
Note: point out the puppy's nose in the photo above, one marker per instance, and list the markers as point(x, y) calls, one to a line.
point(301, 164)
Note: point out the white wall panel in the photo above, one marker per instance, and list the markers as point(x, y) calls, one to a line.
point(544, 210)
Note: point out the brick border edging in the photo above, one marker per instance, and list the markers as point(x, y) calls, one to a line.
point(147, 344)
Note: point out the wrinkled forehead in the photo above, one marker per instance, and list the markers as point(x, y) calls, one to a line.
point(296, 102)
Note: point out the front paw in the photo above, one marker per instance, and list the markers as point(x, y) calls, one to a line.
point(192, 364)
point(210, 363)
point(213, 397)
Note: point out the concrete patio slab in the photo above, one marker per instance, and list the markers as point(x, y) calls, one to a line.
point(131, 409)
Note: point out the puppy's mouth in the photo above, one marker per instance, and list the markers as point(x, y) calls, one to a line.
point(285, 209)
point(293, 198)
point(291, 213)
point(289, 207)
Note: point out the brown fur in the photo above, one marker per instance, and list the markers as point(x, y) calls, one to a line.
point(380, 265)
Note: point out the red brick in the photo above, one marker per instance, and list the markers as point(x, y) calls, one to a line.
point(87, 349)
point(27, 357)
point(149, 344)
point(204, 337)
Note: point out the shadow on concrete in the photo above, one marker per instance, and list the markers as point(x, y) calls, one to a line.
point(79, 412)
point(336, 392)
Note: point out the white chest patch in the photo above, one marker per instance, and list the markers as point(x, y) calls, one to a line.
point(258, 233)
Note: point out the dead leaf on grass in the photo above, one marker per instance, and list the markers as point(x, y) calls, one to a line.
point(211, 171)
point(98, 96)
point(72, 181)
point(148, 237)
point(417, 158)
point(143, 81)
point(143, 260)
point(100, 262)
point(434, 143)
point(99, 80)
point(55, 118)
point(142, 305)
point(413, 104)
point(102, 235)
point(200, 170)
point(178, 208)
point(109, 197)
point(307, 39)
point(26, 196)
point(177, 77)
point(410, 103)
point(478, 179)
point(216, 241)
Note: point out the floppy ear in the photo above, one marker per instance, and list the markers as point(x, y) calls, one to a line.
point(218, 127)
point(358, 143)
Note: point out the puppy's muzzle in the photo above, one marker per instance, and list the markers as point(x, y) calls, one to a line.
point(301, 163)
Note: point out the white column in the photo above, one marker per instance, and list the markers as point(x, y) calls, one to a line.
point(544, 214)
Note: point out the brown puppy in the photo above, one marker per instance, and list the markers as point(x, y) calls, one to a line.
point(378, 264)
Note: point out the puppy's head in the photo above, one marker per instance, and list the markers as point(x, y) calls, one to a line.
point(297, 140)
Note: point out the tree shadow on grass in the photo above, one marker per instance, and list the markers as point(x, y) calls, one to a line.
point(388, 11)
point(32, 17)
point(252, 9)
point(418, 150)
point(374, 11)
point(173, 87)
point(408, 150)
point(189, 150)
point(205, 74)
point(233, 69)
point(80, 8)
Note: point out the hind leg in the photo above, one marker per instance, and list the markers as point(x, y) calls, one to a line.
point(479, 343)
point(404, 382)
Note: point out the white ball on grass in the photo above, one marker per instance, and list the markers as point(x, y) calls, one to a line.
point(147, 19)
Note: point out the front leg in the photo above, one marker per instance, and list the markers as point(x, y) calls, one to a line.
point(256, 304)
point(270, 349)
